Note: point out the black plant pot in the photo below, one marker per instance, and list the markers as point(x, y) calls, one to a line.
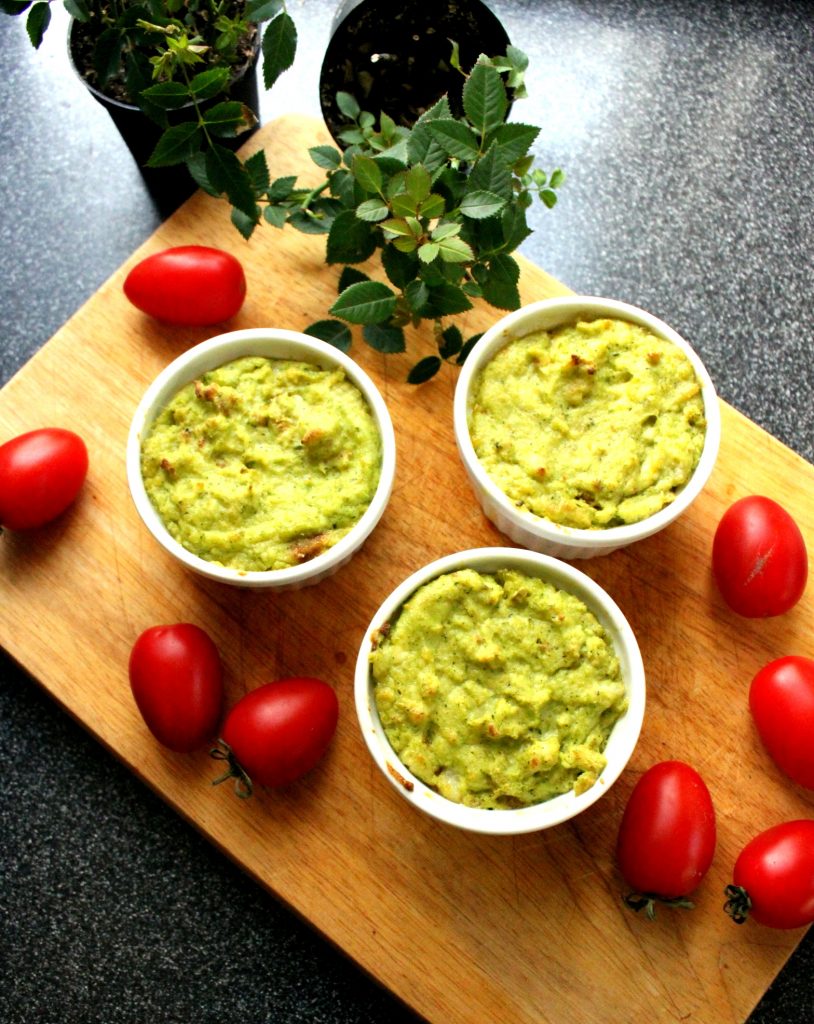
point(168, 186)
point(396, 57)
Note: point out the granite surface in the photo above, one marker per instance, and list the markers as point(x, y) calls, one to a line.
point(687, 133)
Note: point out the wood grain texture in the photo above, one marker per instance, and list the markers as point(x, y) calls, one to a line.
point(464, 928)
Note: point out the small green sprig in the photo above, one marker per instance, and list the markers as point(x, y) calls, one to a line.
point(444, 202)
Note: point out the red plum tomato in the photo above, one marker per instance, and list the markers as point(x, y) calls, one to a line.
point(188, 286)
point(667, 836)
point(41, 473)
point(277, 733)
point(759, 558)
point(781, 699)
point(774, 877)
point(177, 684)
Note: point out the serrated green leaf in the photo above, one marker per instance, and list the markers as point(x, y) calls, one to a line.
point(228, 175)
point(405, 244)
point(403, 205)
point(349, 276)
point(491, 174)
point(549, 198)
point(333, 332)
point(473, 290)
point(423, 148)
point(469, 344)
point(307, 223)
point(514, 140)
point(245, 225)
point(500, 286)
point(428, 251)
point(432, 207)
point(385, 338)
point(397, 226)
point(38, 20)
point(107, 55)
point(281, 188)
point(275, 215)
point(196, 165)
point(352, 136)
point(514, 226)
point(350, 240)
point(209, 83)
point(484, 98)
point(451, 342)
point(167, 95)
point(263, 10)
point(176, 145)
point(348, 105)
point(417, 183)
point(77, 9)
point(279, 48)
point(367, 302)
point(446, 231)
point(367, 173)
point(517, 57)
point(455, 138)
point(424, 370)
point(228, 119)
point(446, 299)
point(401, 268)
point(481, 204)
point(326, 157)
point(455, 250)
point(417, 294)
point(372, 210)
point(258, 170)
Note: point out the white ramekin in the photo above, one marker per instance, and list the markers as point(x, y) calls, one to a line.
point(542, 534)
point(273, 343)
point(623, 737)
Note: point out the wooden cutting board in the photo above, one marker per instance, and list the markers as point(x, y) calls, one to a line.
point(464, 928)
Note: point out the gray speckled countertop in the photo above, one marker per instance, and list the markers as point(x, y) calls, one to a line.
point(687, 132)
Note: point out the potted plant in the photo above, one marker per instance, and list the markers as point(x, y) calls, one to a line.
point(178, 79)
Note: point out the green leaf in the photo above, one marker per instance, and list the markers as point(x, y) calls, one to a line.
point(258, 171)
point(77, 9)
point(515, 227)
point(514, 140)
point(451, 342)
point(245, 225)
point(38, 20)
point(209, 83)
point(491, 174)
point(227, 119)
point(455, 138)
point(349, 276)
point(372, 210)
point(348, 105)
point(557, 178)
point(107, 54)
point(549, 197)
point(167, 95)
point(175, 145)
point(281, 188)
point(446, 299)
point(350, 240)
point(326, 157)
point(484, 97)
point(432, 207)
point(333, 332)
point(397, 226)
point(263, 10)
point(417, 183)
point(279, 48)
point(401, 268)
point(14, 7)
point(384, 337)
point(455, 250)
point(403, 205)
point(428, 251)
point(446, 230)
point(500, 286)
point(227, 174)
point(468, 346)
point(307, 223)
point(196, 165)
point(424, 370)
point(481, 204)
point(368, 173)
point(275, 215)
point(367, 302)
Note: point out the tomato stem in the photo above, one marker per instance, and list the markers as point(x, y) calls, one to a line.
point(647, 901)
point(738, 903)
point(243, 784)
